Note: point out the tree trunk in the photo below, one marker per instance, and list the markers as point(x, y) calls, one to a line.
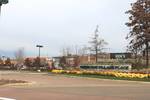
point(0, 8)
point(147, 55)
point(96, 54)
point(135, 58)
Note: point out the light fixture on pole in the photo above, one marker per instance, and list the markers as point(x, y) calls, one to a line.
point(39, 46)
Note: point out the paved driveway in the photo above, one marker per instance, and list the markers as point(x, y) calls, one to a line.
point(54, 87)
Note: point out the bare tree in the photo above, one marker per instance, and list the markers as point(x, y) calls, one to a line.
point(76, 49)
point(1, 62)
point(66, 51)
point(19, 55)
point(63, 62)
point(37, 62)
point(83, 50)
point(28, 63)
point(97, 43)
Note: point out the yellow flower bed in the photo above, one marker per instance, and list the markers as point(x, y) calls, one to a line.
point(131, 75)
point(57, 71)
point(103, 73)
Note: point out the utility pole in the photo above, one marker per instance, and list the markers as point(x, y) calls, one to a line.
point(39, 46)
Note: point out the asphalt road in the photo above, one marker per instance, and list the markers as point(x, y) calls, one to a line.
point(44, 86)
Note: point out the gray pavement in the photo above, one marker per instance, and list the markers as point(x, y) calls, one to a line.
point(55, 87)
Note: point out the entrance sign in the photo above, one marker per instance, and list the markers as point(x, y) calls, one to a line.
point(107, 67)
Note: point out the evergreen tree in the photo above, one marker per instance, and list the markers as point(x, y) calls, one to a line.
point(139, 23)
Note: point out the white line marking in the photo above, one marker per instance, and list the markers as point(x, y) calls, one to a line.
point(2, 98)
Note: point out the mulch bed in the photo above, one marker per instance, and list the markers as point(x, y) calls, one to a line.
point(4, 81)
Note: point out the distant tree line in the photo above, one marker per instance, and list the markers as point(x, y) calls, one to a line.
point(36, 63)
point(28, 64)
point(6, 62)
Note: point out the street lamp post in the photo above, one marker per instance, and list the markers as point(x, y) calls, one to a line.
point(39, 46)
point(2, 2)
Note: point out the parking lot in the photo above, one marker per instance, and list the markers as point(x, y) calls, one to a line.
point(44, 86)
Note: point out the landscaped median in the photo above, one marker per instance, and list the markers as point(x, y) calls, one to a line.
point(106, 74)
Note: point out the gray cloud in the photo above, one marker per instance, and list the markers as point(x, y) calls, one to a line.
point(55, 23)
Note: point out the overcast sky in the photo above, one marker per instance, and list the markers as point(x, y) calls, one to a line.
point(60, 23)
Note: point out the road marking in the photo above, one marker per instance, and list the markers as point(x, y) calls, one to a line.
point(2, 98)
